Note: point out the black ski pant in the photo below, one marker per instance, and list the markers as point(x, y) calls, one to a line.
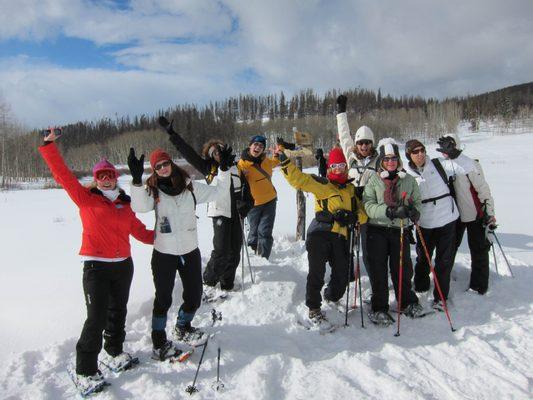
point(479, 253)
point(442, 241)
point(164, 267)
point(261, 219)
point(383, 245)
point(323, 247)
point(106, 286)
point(225, 257)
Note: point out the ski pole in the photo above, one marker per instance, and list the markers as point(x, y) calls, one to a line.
point(400, 278)
point(192, 388)
point(358, 245)
point(503, 253)
point(244, 241)
point(350, 266)
point(356, 272)
point(219, 385)
point(242, 266)
point(494, 256)
point(435, 279)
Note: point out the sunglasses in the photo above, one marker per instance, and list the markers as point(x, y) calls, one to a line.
point(102, 176)
point(364, 142)
point(420, 150)
point(338, 165)
point(164, 164)
point(390, 159)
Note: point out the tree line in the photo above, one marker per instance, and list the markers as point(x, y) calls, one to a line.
point(235, 119)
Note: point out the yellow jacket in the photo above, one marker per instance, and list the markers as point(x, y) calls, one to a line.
point(338, 196)
point(261, 187)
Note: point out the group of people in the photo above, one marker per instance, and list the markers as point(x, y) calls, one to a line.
point(364, 193)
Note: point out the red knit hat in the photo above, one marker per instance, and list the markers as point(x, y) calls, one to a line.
point(157, 156)
point(336, 156)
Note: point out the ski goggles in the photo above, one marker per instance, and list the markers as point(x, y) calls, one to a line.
point(106, 175)
point(163, 164)
point(338, 165)
point(390, 159)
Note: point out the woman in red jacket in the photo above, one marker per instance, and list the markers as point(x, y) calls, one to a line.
point(107, 221)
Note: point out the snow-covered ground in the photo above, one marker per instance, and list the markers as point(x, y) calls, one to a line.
point(265, 353)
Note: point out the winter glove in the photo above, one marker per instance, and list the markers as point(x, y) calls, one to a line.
point(167, 126)
point(282, 157)
point(397, 212)
point(243, 207)
point(136, 166)
point(341, 103)
point(412, 213)
point(227, 159)
point(447, 146)
point(345, 217)
point(284, 144)
point(410, 235)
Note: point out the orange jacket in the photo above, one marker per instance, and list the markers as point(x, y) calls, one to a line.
point(261, 187)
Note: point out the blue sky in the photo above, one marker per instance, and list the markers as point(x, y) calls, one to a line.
point(68, 60)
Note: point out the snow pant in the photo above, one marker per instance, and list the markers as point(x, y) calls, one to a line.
point(261, 219)
point(323, 247)
point(225, 257)
point(441, 240)
point(106, 286)
point(479, 253)
point(383, 245)
point(164, 266)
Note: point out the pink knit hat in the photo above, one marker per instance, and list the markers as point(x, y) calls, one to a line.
point(104, 165)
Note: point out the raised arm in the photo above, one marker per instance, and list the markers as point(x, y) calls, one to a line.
point(343, 129)
point(302, 181)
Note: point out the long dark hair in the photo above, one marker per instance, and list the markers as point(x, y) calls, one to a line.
point(179, 180)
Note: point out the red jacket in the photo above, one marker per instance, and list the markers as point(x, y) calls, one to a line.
point(106, 224)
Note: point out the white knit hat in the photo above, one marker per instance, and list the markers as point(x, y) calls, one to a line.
point(388, 146)
point(364, 133)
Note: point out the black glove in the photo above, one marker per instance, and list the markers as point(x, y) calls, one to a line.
point(397, 212)
point(227, 159)
point(413, 214)
point(345, 217)
point(243, 207)
point(136, 166)
point(341, 103)
point(319, 154)
point(167, 126)
point(448, 146)
point(286, 145)
point(282, 157)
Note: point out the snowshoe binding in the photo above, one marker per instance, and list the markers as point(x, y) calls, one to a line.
point(415, 310)
point(190, 335)
point(88, 384)
point(119, 363)
point(380, 318)
point(317, 321)
point(168, 351)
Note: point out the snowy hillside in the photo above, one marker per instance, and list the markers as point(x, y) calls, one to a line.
point(265, 353)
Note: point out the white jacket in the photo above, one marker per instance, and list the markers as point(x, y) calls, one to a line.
point(222, 206)
point(465, 201)
point(437, 213)
point(177, 213)
point(359, 169)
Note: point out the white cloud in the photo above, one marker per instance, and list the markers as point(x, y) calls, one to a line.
point(192, 49)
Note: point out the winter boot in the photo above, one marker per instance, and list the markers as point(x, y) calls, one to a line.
point(414, 310)
point(438, 305)
point(380, 318)
point(119, 363)
point(317, 320)
point(167, 351)
point(190, 335)
point(88, 384)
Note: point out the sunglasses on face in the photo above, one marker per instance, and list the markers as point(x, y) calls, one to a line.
point(162, 165)
point(105, 175)
point(390, 159)
point(364, 142)
point(420, 150)
point(338, 165)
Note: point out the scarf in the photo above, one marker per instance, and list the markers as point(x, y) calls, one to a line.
point(390, 195)
point(111, 194)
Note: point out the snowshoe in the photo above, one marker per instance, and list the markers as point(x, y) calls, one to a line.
point(380, 318)
point(438, 305)
point(190, 335)
point(166, 352)
point(88, 384)
point(122, 362)
point(415, 310)
point(214, 295)
point(317, 321)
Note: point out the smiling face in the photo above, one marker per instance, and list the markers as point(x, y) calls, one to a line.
point(390, 162)
point(256, 149)
point(418, 156)
point(106, 180)
point(163, 168)
point(364, 147)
